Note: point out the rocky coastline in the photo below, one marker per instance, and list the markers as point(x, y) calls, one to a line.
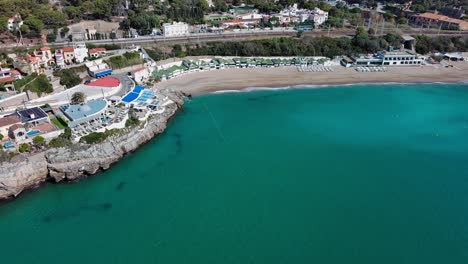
point(81, 160)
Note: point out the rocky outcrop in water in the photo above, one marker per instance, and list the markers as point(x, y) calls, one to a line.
point(79, 160)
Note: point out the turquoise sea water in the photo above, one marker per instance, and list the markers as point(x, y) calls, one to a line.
point(360, 174)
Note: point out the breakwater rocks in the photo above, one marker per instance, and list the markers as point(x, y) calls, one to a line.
point(79, 160)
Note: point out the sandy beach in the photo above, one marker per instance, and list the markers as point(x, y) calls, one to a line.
point(238, 79)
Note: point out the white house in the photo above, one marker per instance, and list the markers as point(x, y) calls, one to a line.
point(253, 15)
point(14, 22)
point(175, 29)
point(140, 74)
point(318, 16)
point(81, 52)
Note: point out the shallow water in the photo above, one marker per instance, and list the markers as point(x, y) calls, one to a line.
point(356, 174)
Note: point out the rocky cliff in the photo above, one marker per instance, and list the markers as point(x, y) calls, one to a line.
point(81, 159)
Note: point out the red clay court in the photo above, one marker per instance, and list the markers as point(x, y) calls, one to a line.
point(108, 82)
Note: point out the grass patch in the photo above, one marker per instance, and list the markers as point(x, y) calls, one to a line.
point(59, 122)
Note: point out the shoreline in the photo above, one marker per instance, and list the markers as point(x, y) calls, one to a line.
point(322, 86)
point(232, 80)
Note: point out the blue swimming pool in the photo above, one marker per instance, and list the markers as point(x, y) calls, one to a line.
point(33, 132)
point(8, 145)
point(131, 96)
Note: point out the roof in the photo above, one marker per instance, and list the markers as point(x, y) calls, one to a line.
point(68, 49)
point(139, 69)
point(7, 79)
point(31, 114)
point(9, 120)
point(96, 50)
point(44, 48)
point(443, 18)
point(16, 126)
point(107, 82)
point(76, 112)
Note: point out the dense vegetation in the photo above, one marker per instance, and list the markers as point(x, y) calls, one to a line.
point(362, 42)
point(63, 140)
point(69, 78)
point(307, 46)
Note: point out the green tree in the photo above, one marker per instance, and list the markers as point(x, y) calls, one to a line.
point(1, 136)
point(69, 78)
point(40, 85)
point(77, 98)
point(23, 148)
point(51, 37)
point(38, 141)
point(34, 25)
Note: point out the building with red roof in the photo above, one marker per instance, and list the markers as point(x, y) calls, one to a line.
point(430, 19)
point(68, 54)
point(96, 52)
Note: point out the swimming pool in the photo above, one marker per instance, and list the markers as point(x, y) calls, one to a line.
point(8, 144)
point(33, 133)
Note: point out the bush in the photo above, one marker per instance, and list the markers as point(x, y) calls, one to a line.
point(98, 137)
point(23, 148)
point(37, 141)
point(127, 59)
point(132, 121)
point(60, 142)
point(1, 136)
point(63, 140)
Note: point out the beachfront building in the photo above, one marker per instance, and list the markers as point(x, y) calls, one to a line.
point(456, 56)
point(140, 74)
point(174, 69)
point(384, 58)
point(175, 29)
point(79, 114)
point(23, 125)
point(98, 68)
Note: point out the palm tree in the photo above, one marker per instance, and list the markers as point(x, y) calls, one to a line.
point(78, 98)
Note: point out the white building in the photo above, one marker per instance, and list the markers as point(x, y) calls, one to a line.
point(81, 52)
point(292, 14)
point(318, 16)
point(140, 74)
point(253, 15)
point(175, 29)
point(14, 22)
